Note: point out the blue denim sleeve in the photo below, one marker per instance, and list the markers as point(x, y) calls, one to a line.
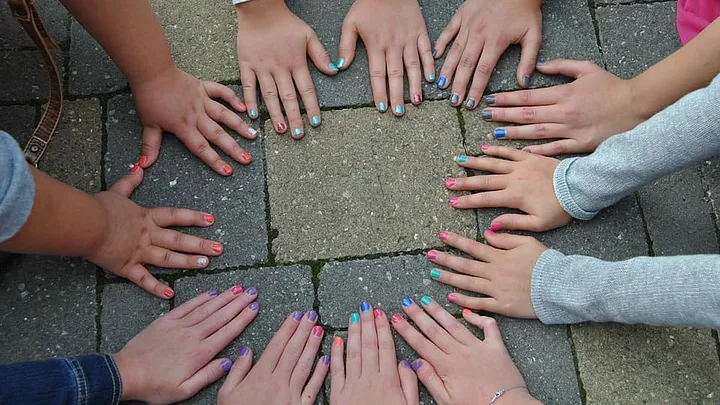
point(17, 188)
point(86, 380)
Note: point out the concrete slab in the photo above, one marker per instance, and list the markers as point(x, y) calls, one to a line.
point(23, 77)
point(18, 121)
point(54, 15)
point(91, 69)
point(386, 195)
point(179, 179)
point(711, 183)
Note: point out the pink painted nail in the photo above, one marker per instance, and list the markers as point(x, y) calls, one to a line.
point(454, 201)
point(443, 236)
point(237, 290)
point(135, 169)
point(396, 318)
point(489, 232)
point(210, 219)
point(417, 99)
point(143, 161)
point(246, 156)
point(496, 227)
point(485, 146)
point(377, 312)
point(217, 248)
point(318, 331)
point(281, 127)
point(452, 298)
point(227, 170)
point(467, 312)
point(169, 293)
point(243, 106)
point(450, 182)
point(432, 255)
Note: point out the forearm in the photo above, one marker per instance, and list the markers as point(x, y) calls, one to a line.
point(129, 32)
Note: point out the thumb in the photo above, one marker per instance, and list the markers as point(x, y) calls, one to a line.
point(567, 67)
point(348, 42)
point(128, 183)
point(409, 383)
point(152, 137)
point(528, 57)
point(486, 323)
point(319, 56)
point(207, 375)
point(431, 380)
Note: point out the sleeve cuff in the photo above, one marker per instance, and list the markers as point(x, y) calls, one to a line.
point(17, 188)
point(563, 194)
point(98, 379)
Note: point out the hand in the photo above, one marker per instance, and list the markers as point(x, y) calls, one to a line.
point(524, 181)
point(372, 374)
point(483, 30)
point(393, 32)
point(502, 272)
point(456, 367)
point(176, 102)
point(138, 236)
point(281, 375)
point(273, 44)
point(584, 113)
point(172, 359)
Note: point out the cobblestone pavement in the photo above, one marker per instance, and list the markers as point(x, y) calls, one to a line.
point(346, 214)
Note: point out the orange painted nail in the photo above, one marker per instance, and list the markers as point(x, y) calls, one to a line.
point(135, 169)
point(337, 341)
point(217, 248)
point(210, 219)
point(143, 161)
point(246, 156)
point(227, 170)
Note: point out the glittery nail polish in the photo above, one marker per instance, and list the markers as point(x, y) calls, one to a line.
point(364, 307)
point(169, 293)
point(135, 169)
point(318, 331)
point(426, 300)
point(470, 103)
point(298, 133)
point(452, 298)
point(210, 219)
point(450, 182)
point(435, 274)
point(217, 248)
point(377, 312)
point(417, 99)
point(246, 156)
point(399, 109)
point(325, 360)
point(407, 301)
point(281, 127)
point(405, 363)
point(142, 161)
point(490, 100)
point(354, 317)
point(432, 255)
point(396, 318)
point(337, 341)
point(443, 236)
point(487, 115)
point(415, 365)
point(454, 201)
point(431, 77)
point(496, 227)
point(244, 350)
point(315, 121)
point(526, 81)
point(454, 99)
point(340, 63)
point(213, 293)
point(202, 261)
point(333, 67)
point(227, 170)
point(236, 290)
point(253, 114)
point(253, 132)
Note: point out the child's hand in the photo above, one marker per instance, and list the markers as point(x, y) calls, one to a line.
point(280, 377)
point(480, 32)
point(524, 181)
point(393, 32)
point(456, 367)
point(176, 102)
point(502, 272)
point(584, 113)
point(371, 374)
point(138, 236)
point(273, 45)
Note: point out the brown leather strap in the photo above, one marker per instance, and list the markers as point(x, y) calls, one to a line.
point(26, 13)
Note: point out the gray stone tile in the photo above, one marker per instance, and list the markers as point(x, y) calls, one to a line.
point(91, 69)
point(382, 282)
point(386, 196)
point(202, 37)
point(18, 121)
point(54, 15)
point(48, 309)
point(117, 325)
point(635, 37)
point(711, 182)
point(179, 179)
point(678, 215)
point(281, 290)
point(629, 364)
point(23, 77)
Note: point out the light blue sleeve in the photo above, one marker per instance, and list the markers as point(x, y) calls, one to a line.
point(17, 188)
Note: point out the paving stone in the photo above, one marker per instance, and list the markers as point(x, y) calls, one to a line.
point(385, 197)
point(626, 364)
point(382, 282)
point(711, 183)
point(91, 69)
point(179, 179)
point(670, 205)
point(23, 77)
point(202, 37)
point(635, 37)
point(281, 290)
point(18, 121)
point(118, 302)
point(48, 309)
point(54, 16)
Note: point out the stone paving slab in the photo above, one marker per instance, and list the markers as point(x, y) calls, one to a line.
point(18, 121)
point(91, 69)
point(636, 36)
point(281, 291)
point(179, 179)
point(384, 196)
point(710, 170)
point(622, 364)
point(54, 16)
point(23, 77)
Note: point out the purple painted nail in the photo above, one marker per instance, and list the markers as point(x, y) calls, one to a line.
point(254, 306)
point(251, 291)
point(225, 365)
point(405, 363)
point(212, 293)
point(415, 365)
point(312, 316)
point(326, 360)
point(297, 315)
point(244, 351)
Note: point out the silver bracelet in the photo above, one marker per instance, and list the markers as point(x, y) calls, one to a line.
point(502, 392)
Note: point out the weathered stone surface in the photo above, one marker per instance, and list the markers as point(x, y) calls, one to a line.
point(18, 121)
point(54, 15)
point(386, 195)
point(635, 37)
point(91, 69)
point(23, 77)
point(179, 179)
point(202, 37)
point(625, 364)
point(48, 309)
point(711, 182)
point(126, 310)
point(281, 291)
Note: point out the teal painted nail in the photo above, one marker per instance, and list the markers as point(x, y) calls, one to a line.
point(333, 67)
point(431, 76)
point(315, 121)
point(297, 133)
point(340, 63)
point(354, 317)
point(426, 300)
point(400, 109)
point(253, 114)
point(462, 158)
point(435, 273)
point(381, 107)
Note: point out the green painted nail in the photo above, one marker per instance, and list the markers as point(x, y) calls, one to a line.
point(400, 109)
point(382, 107)
point(253, 114)
point(431, 76)
point(315, 121)
point(462, 158)
point(340, 63)
point(435, 273)
point(333, 67)
point(426, 300)
point(354, 317)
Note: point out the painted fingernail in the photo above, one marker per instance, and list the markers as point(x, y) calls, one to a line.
point(244, 350)
point(496, 227)
point(337, 341)
point(364, 307)
point(489, 232)
point(467, 312)
point(253, 114)
point(236, 290)
point(325, 360)
point(485, 146)
point(210, 219)
point(400, 109)
point(297, 133)
point(254, 306)
point(312, 316)
point(526, 81)
point(426, 300)
point(135, 169)
point(435, 274)
point(202, 261)
point(454, 201)
point(449, 182)
point(431, 77)
point(417, 99)
point(382, 107)
point(415, 365)
point(315, 121)
point(142, 161)
point(396, 318)
point(442, 81)
point(217, 248)
point(333, 67)
point(470, 103)
point(318, 331)
point(461, 159)
point(540, 62)
point(227, 170)
point(454, 99)
point(169, 293)
point(246, 156)
point(251, 291)
point(443, 236)
point(226, 365)
point(500, 133)
point(213, 293)
point(377, 312)
point(435, 53)
point(243, 106)
point(407, 301)
point(432, 255)
point(405, 363)
point(490, 100)
point(340, 63)
point(487, 115)
point(281, 127)
point(452, 298)
point(297, 315)
point(354, 317)
point(253, 132)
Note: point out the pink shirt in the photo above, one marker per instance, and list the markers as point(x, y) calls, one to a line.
point(694, 15)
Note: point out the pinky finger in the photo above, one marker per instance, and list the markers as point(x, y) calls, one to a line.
point(139, 275)
point(312, 389)
point(409, 383)
point(562, 147)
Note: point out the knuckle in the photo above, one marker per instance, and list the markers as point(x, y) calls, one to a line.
point(178, 238)
point(202, 147)
point(525, 96)
point(377, 73)
point(307, 90)
point(395, 73)
point(467, 62)
point(269, 94)
point(386, 346)
point(412, 63)
point(457, 47)
point(540, 131)
point(528, 113)
point(167, 257)
point(288, 95)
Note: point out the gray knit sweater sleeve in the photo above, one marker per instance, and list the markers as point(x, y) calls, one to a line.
point(17, 188)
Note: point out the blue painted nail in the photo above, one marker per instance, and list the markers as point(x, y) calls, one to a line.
point(251, 291)
point(470, 104)
point(461, 159)
point(354, 317)
point(226, 365)
point(435, 274)
point(426, 300)
point(297, 315)
point(297, 133)
point(405, 363)
point(400, 109)
point(431, 76)
point(253, 114)
point(364, 307)
point(526, 81)
point(340, 63)
point(254, 306)
point(326, 360)
point(244, 350)
point(382, 107)
point(407, 301)
point(315, 121)
point(490, 99)
point(454, 99)
point(312, 316)
point(487, 115)
point(332, 67)
point(415, 365)
point(212, 293)
point(442, 81)
point(499, 133)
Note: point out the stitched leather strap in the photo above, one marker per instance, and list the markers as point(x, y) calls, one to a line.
point(25, 12)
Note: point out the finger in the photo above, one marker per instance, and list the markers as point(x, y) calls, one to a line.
point(337, 364)
point(448, 322)
point(288, 95)
point(505, 152)
point(437, 335)
point(486, 323)
point(376, 61)
point(525, 115)
point(168, 259)
point(414, 73)
point(487, 304)
point(415, 339)
point(219, 113)
point(313, 387)
point(544, 96)
point(485, 199)
point(518, 222)
point(430, 379)
point(294, 349)
point(203, 312)
point(447, 35)
point(369, 345)
point(460, 264)
point(561, 147)
point(408, 383)
point(386, 345)
point(249, 84)
point(453, 59)
point(151, 140)
point(199, 146)
point(396, 72)
point(532, 131)
point(189, 306)
point(128, 183)
point(214, 326)
point(274, 350)
point(478, 183)
point(353, 368)
point(166, 217)
point(567, 67)
point(470, 246)
point(426, 57)
point(318, 54)
point(466, 65)
point(467, 283)
point(483, 163)
point(305, 364)
point(506, 241)
point(239, 370)
point(178, 241)
point(141, 277)
point(528, 56)
point(217, 90)
point(270, 96)
point(204, 377)
point(485, 66)
point(348, 43)
point(215, 134)
point(305, 86)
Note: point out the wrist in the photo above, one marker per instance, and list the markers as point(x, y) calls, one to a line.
point(102, 231)
point(259, 7)
point(130, 376)
point(642, 100)
point(517, 397)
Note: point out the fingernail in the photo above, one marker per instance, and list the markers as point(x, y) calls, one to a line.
point(337, 341)
point(435, 274)
point(354, 317)
point(489, 232)
point(499, 133)
point(281, 127)
point(246, 156)
point(254, 306)
point(243, 106)
point(217, 248)
point(526, 81)
point(449, 182)
point(467, 312)
point(377, 312)
point(487, 115)
point(253, 132)
point(244, 350)
point(540, 62)
point(435, 53)
point(405, 363)
point(333, 67)
point(470, 103)
point(297, 133)
point(340, 63)
point(202, 261)
point(251, 291)
point(226, 365)
point(227, 170)
point(461, 159)
point(382, 107)
point(253, 114)
point(415, 365)
point(326, 360)
point(364, 307)
point(399, 109)
point(432, 255)
point(496, 227)
point(169, 293)
point(210, 219)
point(431, 77)
point(454, 99)
point(213, 293)
point(426, 300)
point(454, 201)
point(312, 316)
point(452, 298)
point(485, 146)
point(407, 301)
point(417, 99)
point(490, 100)
point(236, 290)
point(143, 161)
point(297, 315)
point(318, 331)
point(135, 169)
point(442, 81)
point(315, 121)
point(443, 236)
point(396, 318)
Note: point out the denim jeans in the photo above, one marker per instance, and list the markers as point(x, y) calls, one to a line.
point(86, 380)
